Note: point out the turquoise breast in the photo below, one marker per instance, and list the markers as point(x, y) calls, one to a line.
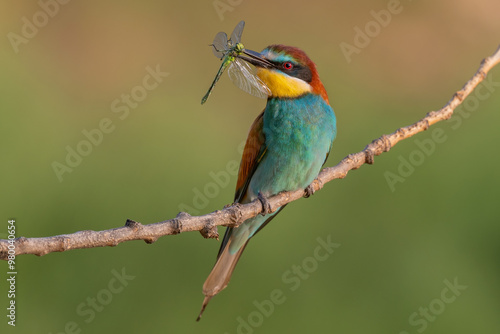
point(299, 133)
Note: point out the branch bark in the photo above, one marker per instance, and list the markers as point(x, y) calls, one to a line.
point(235, 214)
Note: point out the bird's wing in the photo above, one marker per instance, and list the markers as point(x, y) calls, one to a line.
point(254, 151)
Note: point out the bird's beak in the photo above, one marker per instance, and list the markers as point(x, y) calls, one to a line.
point(255, 58)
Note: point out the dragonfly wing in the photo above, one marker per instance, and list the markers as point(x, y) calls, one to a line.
point(237, 32)
point(242, 76)
point(219, 45)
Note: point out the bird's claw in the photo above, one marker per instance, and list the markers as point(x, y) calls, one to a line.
point(266, 206)
point(309, 191)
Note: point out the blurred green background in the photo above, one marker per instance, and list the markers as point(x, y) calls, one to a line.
point(397, 245)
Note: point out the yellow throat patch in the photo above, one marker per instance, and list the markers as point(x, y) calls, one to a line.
point(282, 85)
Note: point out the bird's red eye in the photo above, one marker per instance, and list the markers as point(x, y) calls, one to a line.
point(287, 65)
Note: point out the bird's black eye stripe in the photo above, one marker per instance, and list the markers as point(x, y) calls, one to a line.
point(297, 71)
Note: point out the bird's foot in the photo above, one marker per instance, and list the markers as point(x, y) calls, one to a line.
point(309, 191)
point(266, 206)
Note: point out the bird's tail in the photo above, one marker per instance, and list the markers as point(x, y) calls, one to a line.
point(221, 274)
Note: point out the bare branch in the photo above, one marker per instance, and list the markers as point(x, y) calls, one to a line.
point(238, 213)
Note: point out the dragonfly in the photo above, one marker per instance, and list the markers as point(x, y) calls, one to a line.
point(240, 72)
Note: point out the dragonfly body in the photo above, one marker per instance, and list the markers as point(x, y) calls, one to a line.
point(225, 63)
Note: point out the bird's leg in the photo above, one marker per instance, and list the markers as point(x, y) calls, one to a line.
point(310, 188)
point(266, 206)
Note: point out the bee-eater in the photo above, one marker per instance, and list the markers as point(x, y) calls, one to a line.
point(286, 147)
